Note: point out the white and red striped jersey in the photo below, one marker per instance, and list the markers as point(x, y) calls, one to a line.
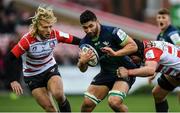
point(166, 54)
point(37, 54)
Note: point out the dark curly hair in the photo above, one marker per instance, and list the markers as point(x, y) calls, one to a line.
point(87, 16)
point(140, 51)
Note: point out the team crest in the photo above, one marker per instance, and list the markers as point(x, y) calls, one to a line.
point(52, 44)
point(106, 43)
point(97, 43)
point(34, 48)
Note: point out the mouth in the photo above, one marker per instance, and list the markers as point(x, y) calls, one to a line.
point(47, 35)
point(90, 34)
point(161, 24)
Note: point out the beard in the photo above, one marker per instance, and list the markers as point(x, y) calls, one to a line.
point(93, 33)
point(44, 37)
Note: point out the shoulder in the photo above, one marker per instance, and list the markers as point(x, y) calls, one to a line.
point(152, 53)
point(172, 30)
point(107, 28)
point(27, 38)
point(113, 30)
point(61, 33)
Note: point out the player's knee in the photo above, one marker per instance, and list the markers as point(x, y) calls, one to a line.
point(59, 96)
point(116, 104)
point(114, 101)
point(91, 98)
point(157, 95)
point(90, 101)
point(87, 105)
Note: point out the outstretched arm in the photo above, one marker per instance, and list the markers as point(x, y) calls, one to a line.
point(12, 63)
point(147, 70)
point(76, 40)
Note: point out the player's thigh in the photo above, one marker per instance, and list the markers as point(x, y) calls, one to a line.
point(121, 86)
point(99, 91)
point(42, 97)
point(55, 85)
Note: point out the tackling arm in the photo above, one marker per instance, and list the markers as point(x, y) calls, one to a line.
point(147, 70)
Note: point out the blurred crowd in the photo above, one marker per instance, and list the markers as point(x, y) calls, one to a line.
point(13, 25)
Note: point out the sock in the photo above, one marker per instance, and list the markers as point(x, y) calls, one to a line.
point(162, 107)
point(65, 106)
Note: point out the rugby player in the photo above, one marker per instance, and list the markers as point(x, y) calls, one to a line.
point(168, 33)
point(111, 44)
point(39, 66)
point(161, 56)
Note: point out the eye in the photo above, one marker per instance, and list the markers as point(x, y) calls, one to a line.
point(84, 27)
point(91, 25)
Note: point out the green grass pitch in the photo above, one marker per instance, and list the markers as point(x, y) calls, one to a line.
point(136, 103)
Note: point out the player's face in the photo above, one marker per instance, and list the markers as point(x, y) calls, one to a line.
point(91, 28)
point(44, 29)
point(163, 21)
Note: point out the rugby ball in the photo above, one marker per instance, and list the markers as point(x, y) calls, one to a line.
point(94, 61)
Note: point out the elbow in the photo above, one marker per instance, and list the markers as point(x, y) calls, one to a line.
point(134, 48)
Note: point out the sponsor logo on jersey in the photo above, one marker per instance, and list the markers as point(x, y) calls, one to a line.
point(150, 54)
point(121, 34)
point(97, 43)
point(62, 34)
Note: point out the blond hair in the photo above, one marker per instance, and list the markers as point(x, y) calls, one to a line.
point(43, 13)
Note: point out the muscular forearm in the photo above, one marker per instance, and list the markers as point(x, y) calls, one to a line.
point(141, 72)
point(129, 46)
point(128, 49)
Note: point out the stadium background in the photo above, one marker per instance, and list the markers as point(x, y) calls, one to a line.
point(137, 17)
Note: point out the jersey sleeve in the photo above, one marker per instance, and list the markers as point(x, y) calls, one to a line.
point(21, 47)
point(175, 38)
point(84, 41)
point(120, 36)
point(64, 37)
point(153, 54)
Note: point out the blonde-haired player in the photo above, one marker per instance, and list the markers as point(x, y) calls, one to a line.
point(39, 66)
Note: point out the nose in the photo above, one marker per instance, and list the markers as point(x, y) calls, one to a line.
point(88, 30)
point(49, 29)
